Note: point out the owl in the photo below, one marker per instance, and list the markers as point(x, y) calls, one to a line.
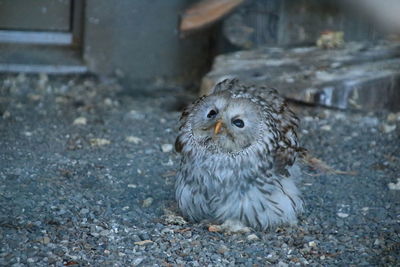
point(238, 168)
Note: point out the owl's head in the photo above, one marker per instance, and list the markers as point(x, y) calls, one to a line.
point(224, 123)
point(237, 118)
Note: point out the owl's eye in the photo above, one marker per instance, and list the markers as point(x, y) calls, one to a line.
point(238, 123)
point(211, 114)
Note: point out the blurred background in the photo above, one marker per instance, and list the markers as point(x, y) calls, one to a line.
point(160, 44)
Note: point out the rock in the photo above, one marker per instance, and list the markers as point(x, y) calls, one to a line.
point(104, 232)
point(80, 121)
point(147, 202)
point(174, 219)
point(135, 115)
point(363, 77)
point(312, 244)
point(6, 115)
point(166, 148)
point(252, 237)
point(394, 186)
point(342, 215)
point(377, 242)
point(222, 249)
point(326, 128)
point(137, 261)
point(46, 240)
point(393, 117)
point(99, 142)
point(134, 139)
point(144, 242)
point(282, 264)
point(214, 228)
point(387, 128)
point(84, 211)
point(43, 80)
point(108, 102)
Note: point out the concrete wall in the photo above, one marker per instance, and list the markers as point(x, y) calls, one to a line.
point(138, 41)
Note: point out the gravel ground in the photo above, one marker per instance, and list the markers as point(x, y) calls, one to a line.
point(87, 174)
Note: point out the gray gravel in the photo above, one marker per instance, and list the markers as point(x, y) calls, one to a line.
point(86, 178)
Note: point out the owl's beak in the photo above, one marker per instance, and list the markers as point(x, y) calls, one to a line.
point(217, 127)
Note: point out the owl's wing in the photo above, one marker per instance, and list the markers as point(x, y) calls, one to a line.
point(179, 143)
point(286, 123)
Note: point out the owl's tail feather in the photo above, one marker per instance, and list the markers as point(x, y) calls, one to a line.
point(319, 167)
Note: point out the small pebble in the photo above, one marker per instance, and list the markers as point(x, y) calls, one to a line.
point(166, 148)
point(99, 142)
point(326, 128)
point(252, 237)
point(104, 233)
point(80, 121)
point(365, 210)
point(167, 231)
point(222, 249)
point(34, 97)
point(214, 228)
point(108, 102)
point(136, 115)
point(6, 115)
point(46, 240)
point(393, 117)
point(342, 215)
point(137, 261)
point(308, 118)
point(174, 219)
point(134, 139)
point(144, 242)
point(21, 78)
point(394, 186)
point(387, 128)
point(84, 211)
point(312, 244)
point(147, 202)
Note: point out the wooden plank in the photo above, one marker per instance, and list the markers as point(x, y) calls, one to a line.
point(205, 13)
point(358, 76)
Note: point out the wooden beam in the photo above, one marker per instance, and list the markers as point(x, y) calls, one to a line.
point(205, 13)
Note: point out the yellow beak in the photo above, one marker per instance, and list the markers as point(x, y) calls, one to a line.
point(217, 127)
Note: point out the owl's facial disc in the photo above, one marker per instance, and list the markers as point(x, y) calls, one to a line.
point(226, 126)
